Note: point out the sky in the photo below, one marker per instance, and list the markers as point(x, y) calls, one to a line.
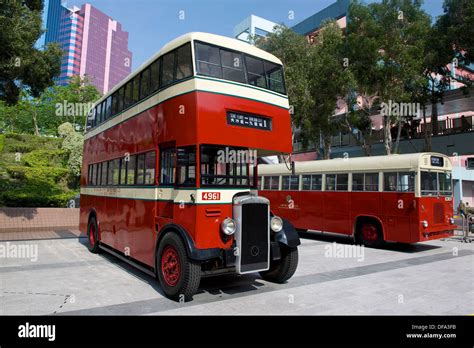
point(153, 23)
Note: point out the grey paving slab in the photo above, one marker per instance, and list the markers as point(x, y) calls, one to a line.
point(427, 278)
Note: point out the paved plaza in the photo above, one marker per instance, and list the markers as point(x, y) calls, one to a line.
point(333, 277)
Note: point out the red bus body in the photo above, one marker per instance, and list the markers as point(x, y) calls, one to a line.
point(400, 215)
point(132, 219)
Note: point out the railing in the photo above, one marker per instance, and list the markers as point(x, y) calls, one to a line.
point(448, 126)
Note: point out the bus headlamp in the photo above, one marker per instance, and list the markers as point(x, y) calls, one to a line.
point(228, 226)
point(276, 224)
point(425, 223)
point(451, 221)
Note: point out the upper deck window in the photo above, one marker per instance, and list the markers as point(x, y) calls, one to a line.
point(208, 61)
point(255, 72)
point(167, 72)
point(184, 65)
point(231, 65)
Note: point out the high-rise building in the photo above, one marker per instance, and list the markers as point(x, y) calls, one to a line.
point(253, 26)
point(94, 44)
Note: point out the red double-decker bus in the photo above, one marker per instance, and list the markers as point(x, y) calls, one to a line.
point(167, 184)
point(400, 198)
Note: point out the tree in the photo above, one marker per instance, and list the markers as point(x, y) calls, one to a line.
point(451, 42)
point(72, 143)
point(58, 104)
point(330, 82)
point(22, 66)
point(296, 54)
point(316, 79)
point(386, 44)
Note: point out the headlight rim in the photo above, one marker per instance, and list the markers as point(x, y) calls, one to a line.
point(271, 223)
point(224, 225)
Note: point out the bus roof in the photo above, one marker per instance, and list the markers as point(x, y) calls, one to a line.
point(410, 162)
point(218, 40)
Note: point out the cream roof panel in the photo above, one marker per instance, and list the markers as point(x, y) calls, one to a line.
point(361, 164)
point(214, 39)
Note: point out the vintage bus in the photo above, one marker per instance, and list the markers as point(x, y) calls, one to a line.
point(166, 185)
point(400, 198)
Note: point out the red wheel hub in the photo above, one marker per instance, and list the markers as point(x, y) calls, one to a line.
point(369, 232)
point(170, 266)
point(92, 235)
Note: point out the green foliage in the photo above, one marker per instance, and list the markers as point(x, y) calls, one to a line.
point(386, 44)
point(72, 143)
point(38, 177)
point(315, 78)
point(57, 105)
point(20, 61)
point(45, 158)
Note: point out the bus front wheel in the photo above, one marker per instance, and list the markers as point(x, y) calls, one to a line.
point(93, 235)
point(369, 234)
point(282, 270)
point(179, 276)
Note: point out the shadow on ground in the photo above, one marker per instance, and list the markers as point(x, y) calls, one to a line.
point(342, 239)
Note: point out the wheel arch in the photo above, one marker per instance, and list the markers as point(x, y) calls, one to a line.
point(191, 250)
point(93, 213)
point(364, 217)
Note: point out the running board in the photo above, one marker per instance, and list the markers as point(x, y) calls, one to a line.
point(135, 264)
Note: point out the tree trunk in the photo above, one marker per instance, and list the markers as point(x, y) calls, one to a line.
point(35, 123)
point(399, 133)
point(434, 116)
point(327, 146)
point(426, 135)
point(387, 139)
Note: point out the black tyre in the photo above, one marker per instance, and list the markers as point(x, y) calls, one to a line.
point(369, 234)
point(179, 276)
point(93, 235)
point(282, 270)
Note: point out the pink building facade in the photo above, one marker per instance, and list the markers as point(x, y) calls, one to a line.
point(95, 46)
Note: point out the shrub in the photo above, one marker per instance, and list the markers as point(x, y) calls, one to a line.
point(38, 175)
point(45, 158)
point(37, 196)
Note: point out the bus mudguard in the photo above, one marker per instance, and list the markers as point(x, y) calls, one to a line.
point(288, 235)
point(193, 252)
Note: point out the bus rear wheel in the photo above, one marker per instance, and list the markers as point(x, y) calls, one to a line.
point(179, 276)
point(282, 270)
point(93, 235)
point(370, 234)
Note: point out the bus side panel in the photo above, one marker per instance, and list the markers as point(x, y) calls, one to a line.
point(401, 218)
point(105, 208)
point(365, 204)
point(87, 202)
point(309, 206)
point(336, 212)
point(135, 229)
point(208, 218)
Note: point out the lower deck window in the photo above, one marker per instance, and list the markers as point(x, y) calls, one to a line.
point(224, 166)
point(399, 182)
